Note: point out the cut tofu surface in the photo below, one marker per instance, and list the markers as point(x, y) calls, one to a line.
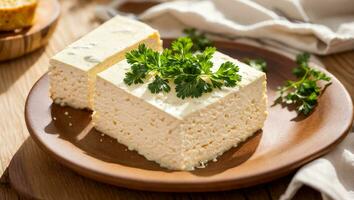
point(73, 70)
point(180, 134)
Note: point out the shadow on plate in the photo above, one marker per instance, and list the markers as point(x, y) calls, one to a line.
point(54, 181)
point(75, 126)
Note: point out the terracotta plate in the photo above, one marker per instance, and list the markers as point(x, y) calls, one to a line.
point(285, 143)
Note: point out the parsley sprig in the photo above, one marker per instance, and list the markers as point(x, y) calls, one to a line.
point(199, 39)
point(201, 42)
point(190, 72)
point(304, 92)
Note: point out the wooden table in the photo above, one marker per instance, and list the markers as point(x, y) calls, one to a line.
point(18, 76)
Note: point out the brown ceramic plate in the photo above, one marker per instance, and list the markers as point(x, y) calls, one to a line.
point(15, 44)
point(285, 143)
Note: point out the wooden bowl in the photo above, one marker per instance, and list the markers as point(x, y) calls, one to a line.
point(15, 44)
point(285, 143)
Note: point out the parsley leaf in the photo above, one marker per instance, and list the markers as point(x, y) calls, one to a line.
point(139, 60)
point(191, 72)
point(159, 85)
point(228, 74)
point(258, 64)
point(200, 41)
point(304, 92)
point(191, 86)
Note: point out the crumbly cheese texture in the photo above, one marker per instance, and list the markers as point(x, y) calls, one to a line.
point(16, 14)
point(73, 70)
point(180, 134)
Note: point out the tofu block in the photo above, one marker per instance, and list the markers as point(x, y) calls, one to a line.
point(73, 70)
point(180, 134)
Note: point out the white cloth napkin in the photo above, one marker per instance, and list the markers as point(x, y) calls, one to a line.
point(317, 26)
point(332, 174)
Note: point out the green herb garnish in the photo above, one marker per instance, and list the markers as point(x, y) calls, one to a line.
point(304, 92)
point(200, 41)
point(190, 72)
point(258, 64)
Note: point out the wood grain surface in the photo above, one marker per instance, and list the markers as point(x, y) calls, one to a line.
point(15, 44)
point(18, 76)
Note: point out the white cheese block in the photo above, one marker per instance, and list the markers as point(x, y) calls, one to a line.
point(180, 134)
point(73, 70)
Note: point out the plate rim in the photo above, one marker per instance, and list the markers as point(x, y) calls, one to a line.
point(170, 186)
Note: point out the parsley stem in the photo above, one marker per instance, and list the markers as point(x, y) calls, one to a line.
point(304, 92)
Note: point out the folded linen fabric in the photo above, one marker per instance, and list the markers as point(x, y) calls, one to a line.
point(316, 26)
